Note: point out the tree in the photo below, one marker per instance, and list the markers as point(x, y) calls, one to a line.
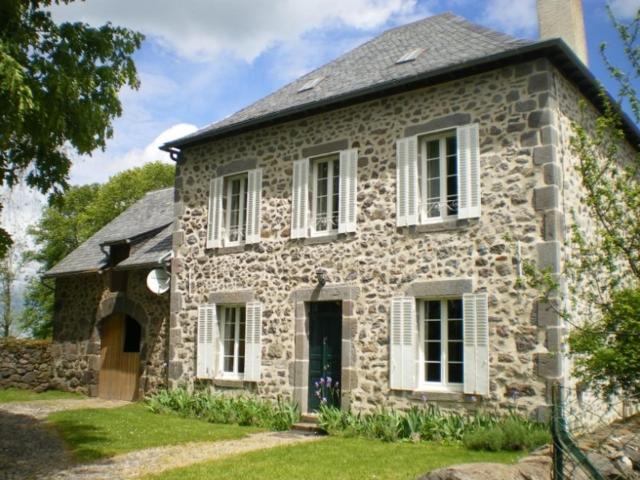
point(10, 267)
point(605, 262)
point(59, 89)
point(74, 217)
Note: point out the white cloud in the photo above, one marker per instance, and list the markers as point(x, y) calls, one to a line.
point(625, 9)
point(201, 29)
point(100, 166)
point(514, 17)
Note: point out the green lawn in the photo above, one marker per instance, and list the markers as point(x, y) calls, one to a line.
point(22, 395)
point(337, 458)
point(98, 433)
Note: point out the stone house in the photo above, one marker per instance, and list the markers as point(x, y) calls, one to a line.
point(368, 222)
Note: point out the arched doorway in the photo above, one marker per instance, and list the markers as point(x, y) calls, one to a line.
point(120, 342)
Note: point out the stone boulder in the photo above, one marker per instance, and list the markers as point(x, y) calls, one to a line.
point(531, 468)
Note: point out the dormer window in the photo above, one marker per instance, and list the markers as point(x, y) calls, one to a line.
point(310, 84)
point(410, 56)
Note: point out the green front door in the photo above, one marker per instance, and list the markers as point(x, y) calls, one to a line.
point(325, 339)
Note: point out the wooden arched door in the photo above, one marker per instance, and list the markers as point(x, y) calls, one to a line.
point(120, 341)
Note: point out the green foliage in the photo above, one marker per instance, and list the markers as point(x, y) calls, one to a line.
point(59, 87)
point(71, 219)
point(23, 395)
point(429, 423)
point(510, 434)
point(339, 459)
point(97, 433)
point(226, 409)
point(606, 349)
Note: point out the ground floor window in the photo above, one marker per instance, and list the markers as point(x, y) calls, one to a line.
point(232, 336)
point(441, 343)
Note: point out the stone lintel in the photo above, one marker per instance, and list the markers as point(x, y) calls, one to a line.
point(440, 288)
point(448, 121)
point(324, 148)
point(236, 166)
point(326, 293)
point(553, 225)
point(547, 197)
point(545, 154)
point(549, 255)
point(549, 365)
point(232, 297)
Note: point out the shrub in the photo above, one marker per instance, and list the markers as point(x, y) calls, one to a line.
point(511, 434)
point(219, 408)
point(481, 430)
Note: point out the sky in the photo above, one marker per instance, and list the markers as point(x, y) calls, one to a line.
point(203, 60)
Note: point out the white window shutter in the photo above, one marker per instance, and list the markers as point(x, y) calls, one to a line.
point(254, 206)
point(407, 181)
point(468, 171)
point(300, 199)
point(207, 341)
point(348, 214)
point(402, 371)
point(253, 342)
point(476, 344)
point(482, 344)
point(214, 225)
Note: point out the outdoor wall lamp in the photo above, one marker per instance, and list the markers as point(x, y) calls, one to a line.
point(321, 276)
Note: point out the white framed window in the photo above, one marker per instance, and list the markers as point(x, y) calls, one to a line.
point(441, 344)
point(234, 204)
point(438, 177)
point(232, 341)
point(325, 194)
point(234, 209)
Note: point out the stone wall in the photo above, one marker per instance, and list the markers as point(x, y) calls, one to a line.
point(82, 302)
point(511, 105)
point(25, 364)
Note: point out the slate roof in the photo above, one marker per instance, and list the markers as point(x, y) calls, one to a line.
point(151, 217)
point(447, 39)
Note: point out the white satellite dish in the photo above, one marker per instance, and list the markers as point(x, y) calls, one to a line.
point(158, 281)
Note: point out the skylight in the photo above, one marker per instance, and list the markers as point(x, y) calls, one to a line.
point(411, 55)
point(310, 84)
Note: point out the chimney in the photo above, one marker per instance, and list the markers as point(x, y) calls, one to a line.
point(564, 19)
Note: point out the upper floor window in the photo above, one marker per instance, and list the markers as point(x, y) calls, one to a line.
point(325, 183)
point(235, 209)
point(324, 194)
point(438, 176)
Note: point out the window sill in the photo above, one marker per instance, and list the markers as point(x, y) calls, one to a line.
point(320, 239)
point(444, 396)
point(228, 382)
point(230, 250)
point(445, 225)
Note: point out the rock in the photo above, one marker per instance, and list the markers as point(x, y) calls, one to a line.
point(530, 468)
point(606, 468)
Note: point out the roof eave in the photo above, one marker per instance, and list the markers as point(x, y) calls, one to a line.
point(555, 49)
point(72, 273)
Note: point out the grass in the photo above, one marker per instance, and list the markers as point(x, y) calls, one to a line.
point(97, 433)
point(23, 395)
point(338, 459)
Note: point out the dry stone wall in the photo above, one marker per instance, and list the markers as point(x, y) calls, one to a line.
point(512, 107)
point(82, 301)
point(26, 364)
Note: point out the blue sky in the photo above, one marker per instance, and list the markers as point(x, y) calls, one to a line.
point(203, 60)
